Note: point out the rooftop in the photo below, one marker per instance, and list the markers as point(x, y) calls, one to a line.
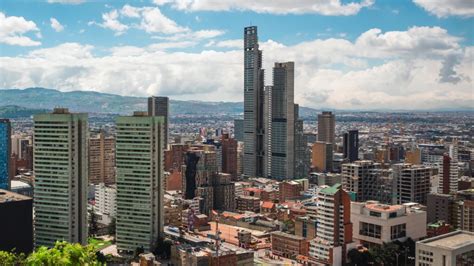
point(7, 196)
point(331, 190)
point(282, 234)
point(453, 240)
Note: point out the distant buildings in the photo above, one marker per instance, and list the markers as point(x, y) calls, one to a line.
point(5, 151)
point(327, 127)
point(16, 222)
point(60, 191)
point(334, 230)
point(455, 248)
point(139, 181)
point(159, 106)
point(375, 223)
point(254, 152)
point(101, 159)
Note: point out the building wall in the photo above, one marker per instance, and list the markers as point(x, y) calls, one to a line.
point(326, 127)
point(159, 106)
point(16, 225)
point(101, 160)
point(5, 151)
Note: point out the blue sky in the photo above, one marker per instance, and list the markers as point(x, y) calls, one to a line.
point(342, 49)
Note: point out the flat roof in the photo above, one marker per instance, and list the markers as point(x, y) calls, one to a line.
point(454, 240)
point(7, 196)
point(283, 234)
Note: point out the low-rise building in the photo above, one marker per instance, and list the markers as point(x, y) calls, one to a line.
point(375, 223)
point(289, 246)
point(248, 203)
point(452, 249)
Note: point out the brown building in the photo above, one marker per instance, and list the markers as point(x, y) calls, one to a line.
point(305, 227)
point(440, 207)
point(413, 156)
point(322, 153)
point(326, 127)
point(288, 246)
point(224, 193)
point(248, 203)
point(437, 229)
point(175, 156)
point(101, 159)
point(229, 155)
point(289, 190)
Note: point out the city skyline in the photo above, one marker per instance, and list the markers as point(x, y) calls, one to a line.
point(342, 51)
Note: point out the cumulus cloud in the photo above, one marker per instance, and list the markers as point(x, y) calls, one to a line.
point(56, 25)
point(110, 21)
point(410, 73)
point(322, 7)
point(445, 8)
point(12, 30)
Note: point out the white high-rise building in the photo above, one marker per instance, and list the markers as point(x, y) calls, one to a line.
point(105, 199)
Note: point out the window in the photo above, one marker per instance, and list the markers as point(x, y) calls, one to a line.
point(392, 215)
point(375, 214)
point(398, 231)
point(371, 230)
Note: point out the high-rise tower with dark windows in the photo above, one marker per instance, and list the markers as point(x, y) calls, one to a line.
point(253, 105)
point(5, 150)
point(351, 145)
point(159, 106)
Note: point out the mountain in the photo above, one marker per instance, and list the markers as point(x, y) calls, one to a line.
point(14, 111)
point(96, 102)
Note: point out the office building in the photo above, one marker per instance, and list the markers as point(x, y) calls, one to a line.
point(322, 156)
point(465, 210)
point(106, 199)
point(449, 171)
point(351, 145)
point(302, 150)
point(334, 230)
point(239, 129)
point(267, 140)
point(101, 159)
point(5, 151)
point(283, 121)
point(452, 249)
point(159, 106)
point(224, 192)
point(139, 181)
point(253, 105)
point(229, 155)
point(412, 182)
point(60, 165)
point(326, 127)
point(375, 223)
point(440, 207)
point(16, 222)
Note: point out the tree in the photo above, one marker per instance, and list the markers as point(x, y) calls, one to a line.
point(93, 224)
point(10, 258)
point(64, 253)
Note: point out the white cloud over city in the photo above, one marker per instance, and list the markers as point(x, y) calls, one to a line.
point(392, 69)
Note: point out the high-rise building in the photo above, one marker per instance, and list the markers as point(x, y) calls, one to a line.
point(283, 121)
point(101, 159)
point(302, 150)
point(412, 182)
point(334, 231)
point(5, 151)
point(253, 105)
point(224, 192)
point(229, 156)
point(449, 171)
point(139, 181)
point(267, 120)
point(322, 153)
point(159, 106)
point(60, 165)
point(239, 129)
point(351, 145)
point(106, 199)
point(326, 127)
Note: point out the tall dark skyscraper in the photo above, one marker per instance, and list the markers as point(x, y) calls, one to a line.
point(351, 145)
point(326, 127)
point(283, 121)
point(159, 106)
point(253, 105)
point(5, 151)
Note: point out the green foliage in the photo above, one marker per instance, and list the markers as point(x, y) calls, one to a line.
point(63, 253)
point(385, 254)
point(10, 258)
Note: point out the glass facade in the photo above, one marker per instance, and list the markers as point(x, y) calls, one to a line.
point(5, 133)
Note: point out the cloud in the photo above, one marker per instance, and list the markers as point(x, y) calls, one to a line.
point(446, 8)
point(12, 30)
point(237, 43)
point(110, 21)
point(67, 2)
point(409, 69)
point(322, 7)
point(56, 25)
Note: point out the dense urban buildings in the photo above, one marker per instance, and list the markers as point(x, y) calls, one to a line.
point(60, 192)
point(139, 181)
point(253, 163)
point(5, 151)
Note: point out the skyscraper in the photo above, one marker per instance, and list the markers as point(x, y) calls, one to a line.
point(326, 127)
point(139, 181)
point(253, 105)
point(229, 155)
point(351, 145)
point(60, 164)
point(449, 171)
point(267, 121)
point(5, 151)
point(159, 106)
point(283, 121)
point(102, 159)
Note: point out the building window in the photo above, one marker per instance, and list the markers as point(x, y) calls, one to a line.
point(398, 231)
point(375, 214)
point(371, 230)
point(392, 215)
